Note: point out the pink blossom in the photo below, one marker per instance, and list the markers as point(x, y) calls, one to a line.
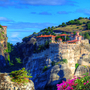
point(87, 81)
point(84, 75)
point(84, 83)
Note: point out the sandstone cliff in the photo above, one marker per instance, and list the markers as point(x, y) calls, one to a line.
point(7, 84)
point(3, 46)
point(55, 74)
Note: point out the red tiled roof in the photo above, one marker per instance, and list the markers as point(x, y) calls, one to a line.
point(77, 32)
point(73, 41)
point(46, 36)
point(63, 35)
point(4, 26)
point(59, 39)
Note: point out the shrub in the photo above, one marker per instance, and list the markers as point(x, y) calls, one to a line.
point(64, 61)
point(76, 65)
point(20, 76)
point(18, 60)
point(45, 68)
point(77, 83)
point(77, 27)
point(52, 63)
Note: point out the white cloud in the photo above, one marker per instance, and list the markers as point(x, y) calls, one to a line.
point(14, 34)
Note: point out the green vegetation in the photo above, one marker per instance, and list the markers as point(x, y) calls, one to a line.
point(88, 26)
point(76, 65)
point(20, 76)
point(45, 68)
point(41, 47)
point(2, 32)
point(62, 37)
point(18, 60)
point(62, 61)
point(52, 63)
point(1, 27)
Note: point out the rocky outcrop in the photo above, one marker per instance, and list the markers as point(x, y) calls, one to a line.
point(56, 53)
point(49, 79)
point(84, 66)
point(6, 83)
point(3, 46)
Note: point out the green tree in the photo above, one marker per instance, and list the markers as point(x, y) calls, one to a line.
point(19, 76)
point(74, 32)
point(87, 35)
point(80, 18)
point(56, 38)
point(1, 27)
point(88, 26)
point(63, 24)
point(34, 33)
point(18, 60)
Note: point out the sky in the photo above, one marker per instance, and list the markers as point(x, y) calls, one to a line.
point(23, 17)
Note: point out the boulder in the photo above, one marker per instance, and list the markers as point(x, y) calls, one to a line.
point(53, 76)
point(82, 69)
point(6, 83)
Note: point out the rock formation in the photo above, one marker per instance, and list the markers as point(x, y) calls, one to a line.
point(56, 53)
point(3, 46)
point(6, 83)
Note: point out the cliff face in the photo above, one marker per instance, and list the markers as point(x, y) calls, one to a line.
point(3, 46)
point(56, 52)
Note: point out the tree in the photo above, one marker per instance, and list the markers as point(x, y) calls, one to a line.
point(63, 24)
point(19, 76)
point(49, 28)
point(34, 33)
point(87, 35)
point(74, 32)
point(1, 27)
point(80, 18)
point(52, 27)
point(57, 37)
point(88, 26)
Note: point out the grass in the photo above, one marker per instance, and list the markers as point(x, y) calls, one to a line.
point(71, 28)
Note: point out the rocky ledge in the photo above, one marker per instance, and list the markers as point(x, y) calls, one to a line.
point(7, 84)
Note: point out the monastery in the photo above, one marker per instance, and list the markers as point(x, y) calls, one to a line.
point(74, 39)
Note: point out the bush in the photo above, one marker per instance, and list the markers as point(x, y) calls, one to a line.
point(45, 68)
point(76, 83)
point(20, 76)
point(18, 60)
point(64, 60)
point(76, 65)
point(52, 63)
point(77, 27)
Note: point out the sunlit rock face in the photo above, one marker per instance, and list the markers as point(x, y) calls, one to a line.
point(7, 84)
point(3, 45)
point(55, 74)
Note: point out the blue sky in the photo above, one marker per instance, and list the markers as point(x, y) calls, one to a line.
point(23, 17)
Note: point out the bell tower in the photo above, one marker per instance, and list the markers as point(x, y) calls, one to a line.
point(5, 29)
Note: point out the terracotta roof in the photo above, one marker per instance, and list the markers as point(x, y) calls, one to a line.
point(59, 39)
point(77, 32)
point(63, 35)
point(46, 36)
point(73, 41)
point(4, 26)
